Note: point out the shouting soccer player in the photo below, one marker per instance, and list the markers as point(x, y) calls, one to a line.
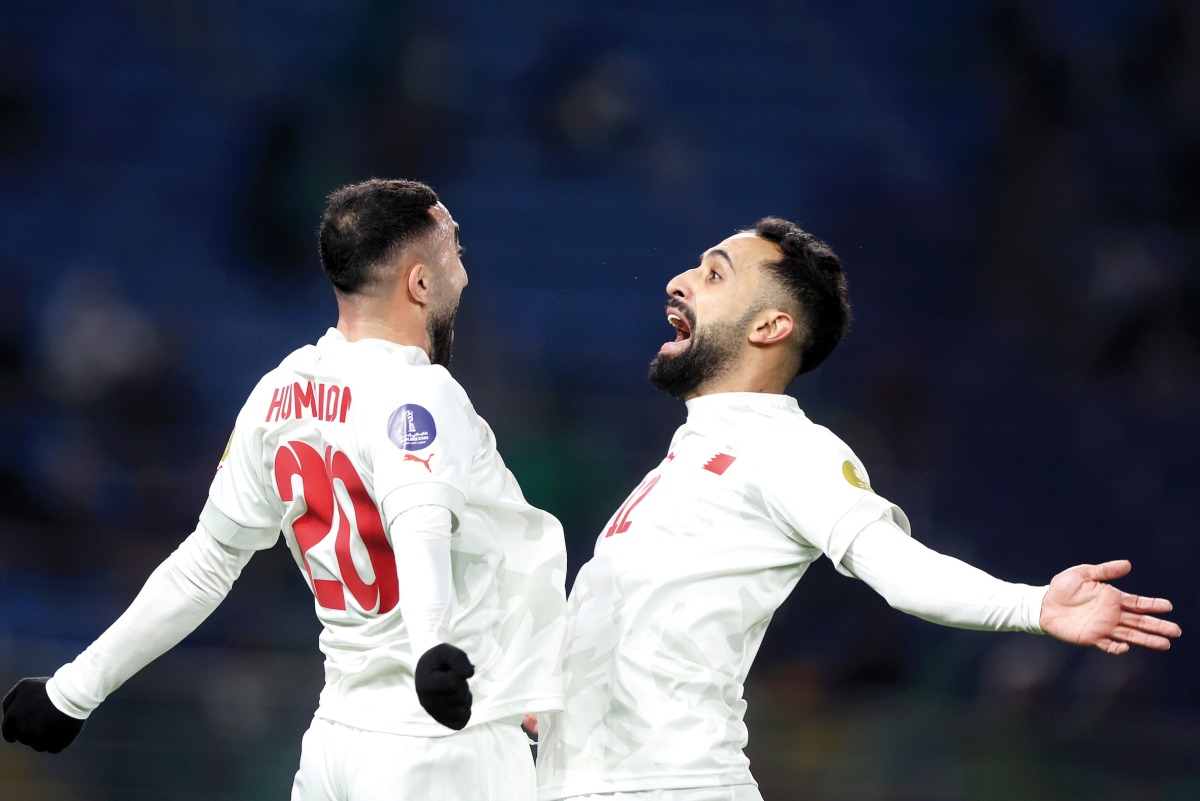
point(439, 588)
point(665, 619)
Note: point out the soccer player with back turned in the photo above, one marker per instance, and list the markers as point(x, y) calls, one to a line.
point(439, 588)
point(666, 618)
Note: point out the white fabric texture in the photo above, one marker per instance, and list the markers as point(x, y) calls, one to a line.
point(334, 448)
point(667, 617)
point(734, 792)
point(665, 620)
point(488, 762)
point(939, 588)
point(404, 522)
point(423, 567)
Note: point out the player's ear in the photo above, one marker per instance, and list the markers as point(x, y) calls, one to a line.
point(416, 279)
point(771, 326)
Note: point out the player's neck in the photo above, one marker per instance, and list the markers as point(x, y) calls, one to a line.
point(745, 377)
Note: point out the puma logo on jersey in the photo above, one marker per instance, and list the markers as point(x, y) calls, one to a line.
point(409, 457)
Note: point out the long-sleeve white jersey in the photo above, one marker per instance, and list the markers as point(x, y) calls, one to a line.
point(332, 447)
point(666, 618)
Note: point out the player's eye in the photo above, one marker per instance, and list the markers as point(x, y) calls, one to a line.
point(713, 275)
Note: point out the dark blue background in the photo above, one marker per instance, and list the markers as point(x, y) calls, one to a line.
point(1012, 186)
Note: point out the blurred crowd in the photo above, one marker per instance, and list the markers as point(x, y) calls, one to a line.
point(1014, 188)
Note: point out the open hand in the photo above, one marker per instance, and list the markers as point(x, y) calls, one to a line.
point(1081, 608)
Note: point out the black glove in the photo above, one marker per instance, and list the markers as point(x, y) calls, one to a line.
point(441, 679)
point(30, 718)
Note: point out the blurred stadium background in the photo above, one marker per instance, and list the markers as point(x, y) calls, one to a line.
point(1014, 188)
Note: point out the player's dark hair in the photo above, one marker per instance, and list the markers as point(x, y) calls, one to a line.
point(811, 274)
point(365, 223)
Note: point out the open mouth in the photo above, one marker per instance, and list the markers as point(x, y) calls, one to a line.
point(682, 323)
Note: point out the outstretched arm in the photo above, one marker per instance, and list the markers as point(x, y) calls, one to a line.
point(1080, 608)
point(920, 581)
point(1077, 607)
point(178, 596)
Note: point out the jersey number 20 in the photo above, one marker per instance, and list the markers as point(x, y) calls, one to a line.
point(325, 516)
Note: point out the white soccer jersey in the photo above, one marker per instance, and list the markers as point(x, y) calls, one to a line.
point(332, 446)
point(665, 620)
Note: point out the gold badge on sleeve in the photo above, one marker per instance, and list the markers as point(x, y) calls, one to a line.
point(854, 477)
point(225, 455)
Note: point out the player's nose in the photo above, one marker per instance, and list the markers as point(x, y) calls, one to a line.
point(678, 287)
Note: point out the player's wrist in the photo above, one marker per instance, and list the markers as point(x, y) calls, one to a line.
point(63, 701)
point(65, 697)
point(1032, 608)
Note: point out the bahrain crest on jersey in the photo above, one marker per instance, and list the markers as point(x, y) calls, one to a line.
point(411, 428)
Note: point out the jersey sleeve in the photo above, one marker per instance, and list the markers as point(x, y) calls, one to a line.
point(179, 595)
point(242, 511)
point(939, 588)
point(821, 495)
point(424, 448)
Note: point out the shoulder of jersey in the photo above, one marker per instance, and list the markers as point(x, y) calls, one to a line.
point(428, 386)
point(795, 438)
point(781, 430)
point(439, 376)
point(431, 376)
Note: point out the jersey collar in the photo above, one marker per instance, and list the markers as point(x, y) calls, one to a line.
point(724, 402)
point(411, 353)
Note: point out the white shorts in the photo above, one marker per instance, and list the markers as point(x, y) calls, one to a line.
point(734, 792)
point(488, 762)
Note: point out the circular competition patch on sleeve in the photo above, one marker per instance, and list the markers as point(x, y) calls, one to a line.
point(411, 427)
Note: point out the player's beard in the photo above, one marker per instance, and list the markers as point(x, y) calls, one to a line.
point(711, 353)
point(441, 334)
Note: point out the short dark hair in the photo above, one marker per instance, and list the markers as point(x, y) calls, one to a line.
point(810, 273)
point(365, 223)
